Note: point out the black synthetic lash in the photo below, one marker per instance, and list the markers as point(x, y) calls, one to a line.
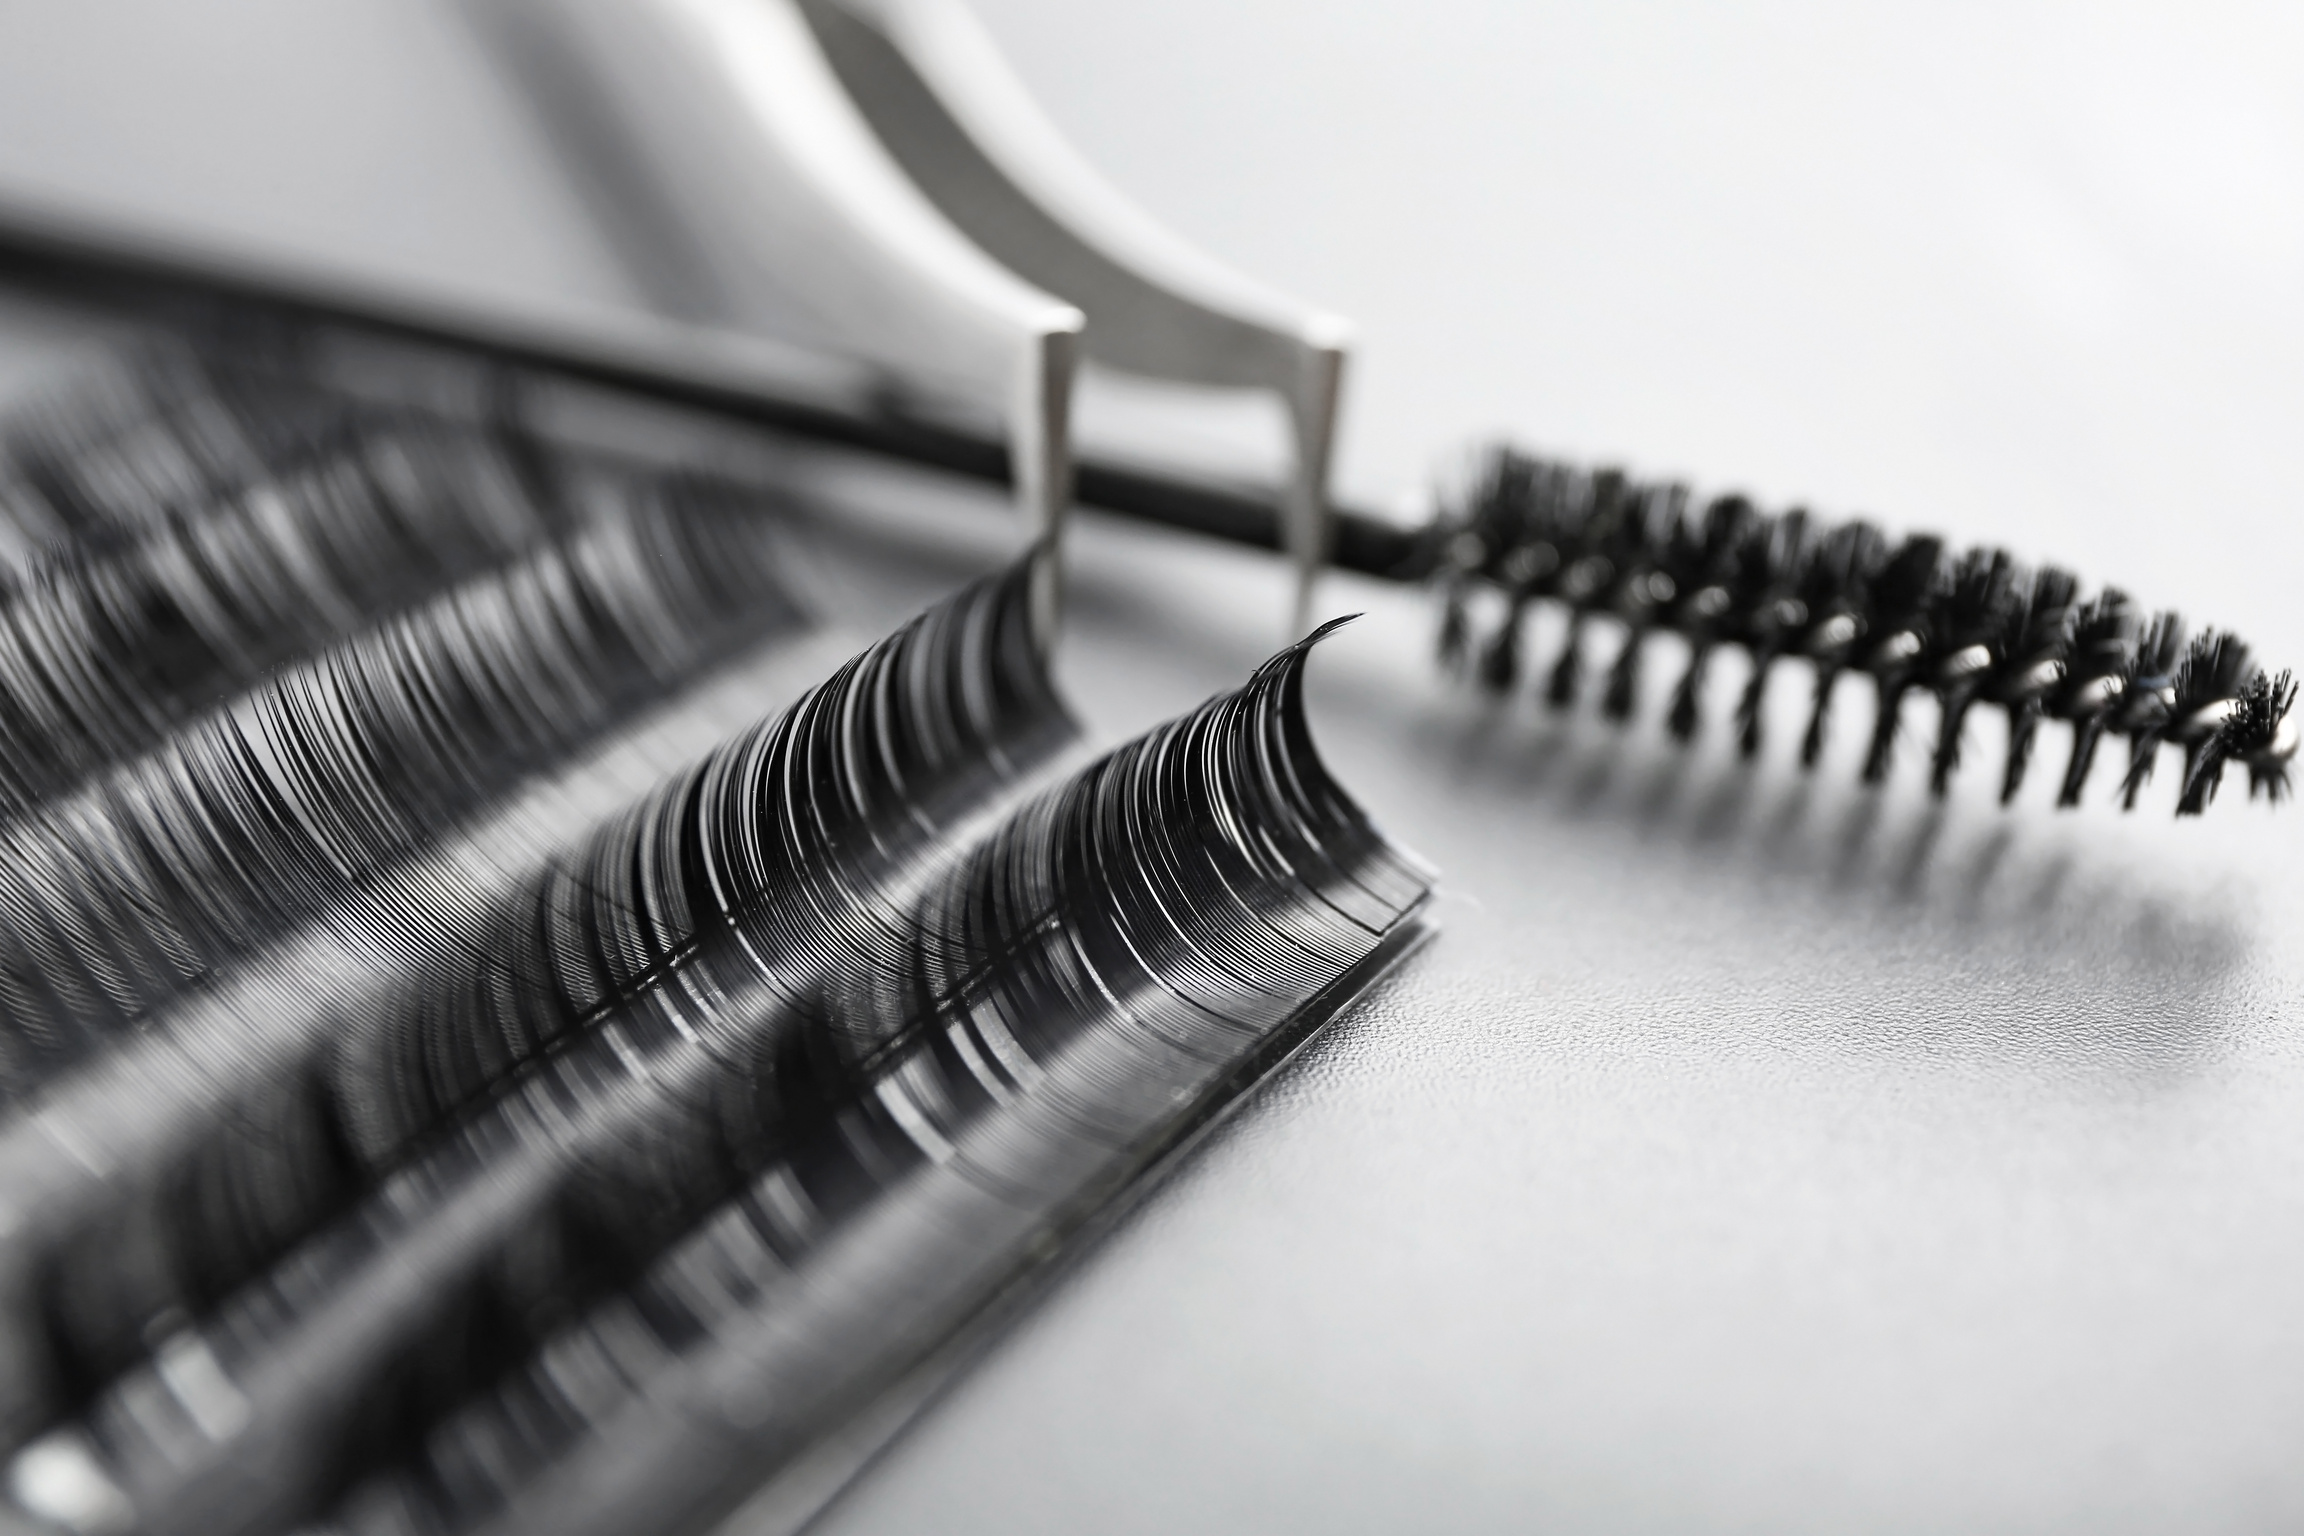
point(1116, 977)
point(1071, 980)
point(249, 820)
point(103, 653)
point(784, 822)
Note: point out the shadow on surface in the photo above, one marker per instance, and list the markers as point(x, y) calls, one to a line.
point(1948, 928)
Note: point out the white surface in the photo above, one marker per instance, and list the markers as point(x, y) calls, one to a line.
point(1741, 1158)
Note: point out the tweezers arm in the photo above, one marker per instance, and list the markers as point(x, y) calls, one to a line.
point(934, 86)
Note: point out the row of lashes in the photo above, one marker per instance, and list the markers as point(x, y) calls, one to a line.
point(312, 739)
point(360, 1090)
point(514, 1129)
point(1970, 628)
point(176, 529)
point(661, 1187)
point(144, 877)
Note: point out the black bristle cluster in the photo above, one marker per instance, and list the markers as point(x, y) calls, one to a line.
point(1969, 628)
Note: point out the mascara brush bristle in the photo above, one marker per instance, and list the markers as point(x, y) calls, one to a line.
point(1968, 628)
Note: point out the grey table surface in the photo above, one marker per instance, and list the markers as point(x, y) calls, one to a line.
point(1748, 1153)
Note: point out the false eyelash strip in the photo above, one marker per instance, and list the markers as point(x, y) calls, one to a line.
point(101, 656)
point(329, 773)
point(151, 429)
point(111, 446)
point(938, 718)
point(1084, 990)
point(166, 1170)
point(1289, 890)
point(275, 814)
point(1968, 629)
point(911, 739)
point(798, 841)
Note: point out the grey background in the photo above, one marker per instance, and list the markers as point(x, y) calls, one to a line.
point(1747, 1154)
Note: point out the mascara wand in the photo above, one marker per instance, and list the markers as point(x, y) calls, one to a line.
point(1969, 628)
